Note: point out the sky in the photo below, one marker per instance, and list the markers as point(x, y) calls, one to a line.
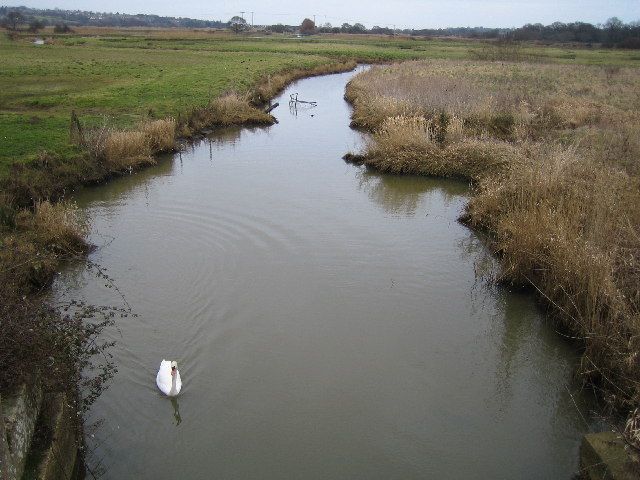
point(401, 13)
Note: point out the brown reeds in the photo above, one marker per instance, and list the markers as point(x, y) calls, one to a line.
point(126, 149)
point(59, 226)
point(228, 109)
point(161, 134)
point(554, 159)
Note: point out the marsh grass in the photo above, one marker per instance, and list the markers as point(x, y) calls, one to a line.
point(411, 145)
point(553, 155)
point(161, 134)
point(125, 149)
point(229, 109)
point(34, 242)
point(59, 226)
point(570, 229)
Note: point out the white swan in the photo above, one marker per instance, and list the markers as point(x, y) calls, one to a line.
point(168, 378)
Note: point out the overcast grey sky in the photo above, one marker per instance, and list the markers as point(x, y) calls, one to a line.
point(402, 13)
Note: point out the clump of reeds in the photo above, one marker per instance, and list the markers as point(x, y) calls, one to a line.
point(161, 134)
point(427, 147)
point(124, 149)
point(570, 229)
point(60, 227)
point(229, 109)
point(119, 149)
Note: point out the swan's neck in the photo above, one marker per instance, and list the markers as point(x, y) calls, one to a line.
point(173, 384)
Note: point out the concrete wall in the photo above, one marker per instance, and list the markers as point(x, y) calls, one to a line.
point(19, 415)
point(604, 456)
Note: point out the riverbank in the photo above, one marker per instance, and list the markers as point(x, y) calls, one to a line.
point(552, 154)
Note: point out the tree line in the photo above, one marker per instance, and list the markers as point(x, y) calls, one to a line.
point(13, 17)
point(613, 33)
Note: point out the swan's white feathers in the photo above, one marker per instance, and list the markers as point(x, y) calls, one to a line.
point(164, 379)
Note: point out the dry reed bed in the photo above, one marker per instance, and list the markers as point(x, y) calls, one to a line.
point(34, 242)
point(226, 110)
point(553, 153)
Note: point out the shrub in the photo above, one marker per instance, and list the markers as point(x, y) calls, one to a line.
point(62, 28)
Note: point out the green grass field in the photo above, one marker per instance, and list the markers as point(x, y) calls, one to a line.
point(119, 77)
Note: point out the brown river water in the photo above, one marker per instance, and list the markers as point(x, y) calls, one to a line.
point(328, 322)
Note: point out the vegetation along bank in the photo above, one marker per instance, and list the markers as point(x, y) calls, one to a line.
point(552, 152)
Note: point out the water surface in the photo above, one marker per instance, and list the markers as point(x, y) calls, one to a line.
point(328, 321)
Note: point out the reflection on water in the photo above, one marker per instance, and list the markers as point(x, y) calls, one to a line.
point(176, 411)
point(329, 319)
point(402, 195)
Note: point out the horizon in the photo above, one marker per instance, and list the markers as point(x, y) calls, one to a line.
point(497, 13)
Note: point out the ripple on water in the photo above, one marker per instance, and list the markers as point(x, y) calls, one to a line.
point(326, 320)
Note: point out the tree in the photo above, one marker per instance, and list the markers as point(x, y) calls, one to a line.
point(35, 25)
point(62, 28)
point(237, 24)
point(307, 27)
point(14, 18)
point(279, 28)
point(614, 28)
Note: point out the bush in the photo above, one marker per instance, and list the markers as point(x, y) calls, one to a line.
point(631, 43)
point(62, 28)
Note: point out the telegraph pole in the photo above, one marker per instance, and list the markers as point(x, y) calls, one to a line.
point(242, 15)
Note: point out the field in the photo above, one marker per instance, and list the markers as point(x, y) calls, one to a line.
point(120, 77)
point(553, 153)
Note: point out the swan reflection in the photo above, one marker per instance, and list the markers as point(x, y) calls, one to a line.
point(176, 411)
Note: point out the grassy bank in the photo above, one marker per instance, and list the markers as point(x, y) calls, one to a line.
point(554, 157)
point(76, 116)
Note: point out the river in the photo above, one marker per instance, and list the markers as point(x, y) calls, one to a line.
point(328, 322)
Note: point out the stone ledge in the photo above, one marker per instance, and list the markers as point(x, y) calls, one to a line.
point(59, 458)
point(603, 456)
point(20, 413)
